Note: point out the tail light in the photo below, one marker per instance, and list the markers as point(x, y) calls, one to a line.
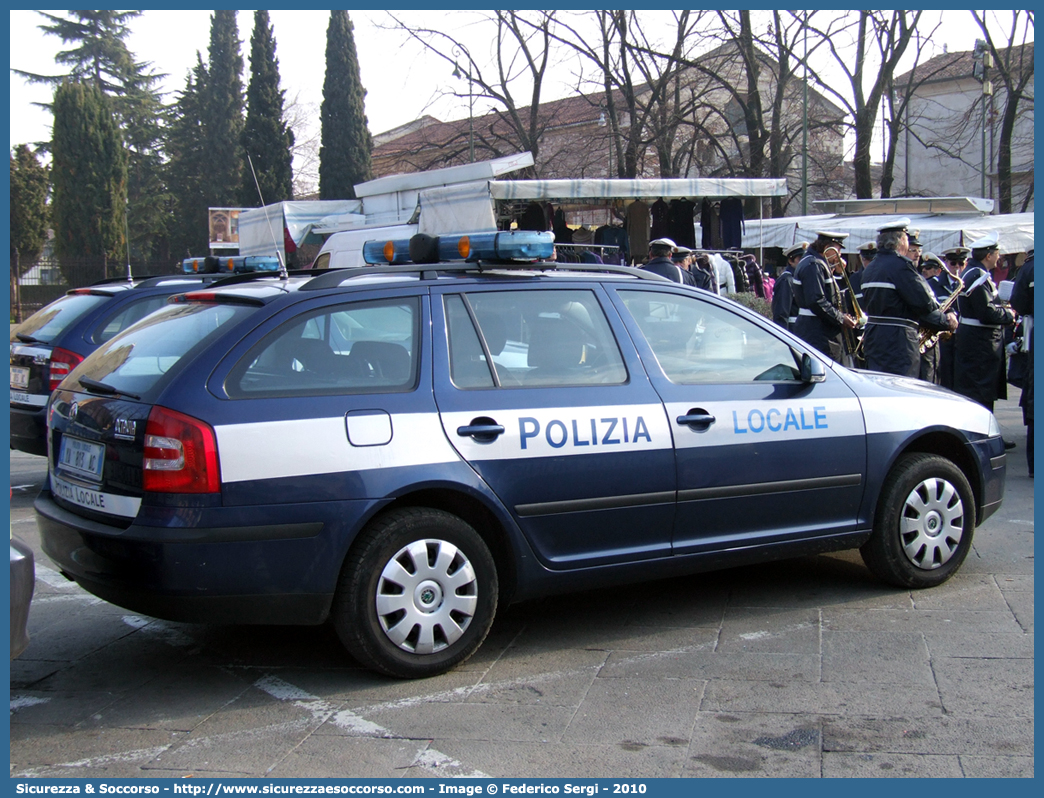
point(180, 454)
point(62, 362)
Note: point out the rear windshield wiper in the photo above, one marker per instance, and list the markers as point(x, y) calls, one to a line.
point(25, 338)
point(100, 387)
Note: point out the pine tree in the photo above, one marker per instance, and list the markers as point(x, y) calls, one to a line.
point(344, 153)
point(267, 139)
point(222, 113)
point(187, 203)
point(99, 55)
point(28, 208)
point(89, 175)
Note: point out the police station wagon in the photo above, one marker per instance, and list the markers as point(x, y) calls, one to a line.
point(400, 449)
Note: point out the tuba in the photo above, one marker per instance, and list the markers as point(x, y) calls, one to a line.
point(849, 338)
point(926, 338)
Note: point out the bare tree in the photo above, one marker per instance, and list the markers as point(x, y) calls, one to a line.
point(1013, 65)
point(639, 83)
point(521, 55)
point(867, 49)
point(300, 118)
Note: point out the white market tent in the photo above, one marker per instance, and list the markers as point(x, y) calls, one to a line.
point(938, 230)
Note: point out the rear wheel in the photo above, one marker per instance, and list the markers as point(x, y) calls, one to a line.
point(417, 594)
point(924, 523)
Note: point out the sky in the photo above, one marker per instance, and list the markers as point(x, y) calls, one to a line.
point(400, 79)
point(403, 82)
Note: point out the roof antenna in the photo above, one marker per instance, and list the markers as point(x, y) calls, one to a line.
point(126, 235)
point(278, 252)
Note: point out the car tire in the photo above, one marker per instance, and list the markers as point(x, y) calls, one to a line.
point(924, 523)
point(417, 593)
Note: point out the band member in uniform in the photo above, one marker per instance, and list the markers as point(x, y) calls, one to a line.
point(1022, 301)
point(820, 317)
point(979, 370)
point(931, 267)
point(953, 260)
point(913, 248)
point(702, 263)
point(784, 307)
point(898, 302)
point(683, 257)
point(660, 262)
point(867, 251)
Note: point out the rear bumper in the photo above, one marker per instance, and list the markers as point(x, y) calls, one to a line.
point(23, 580)
point(29, 429)
point(253, 573)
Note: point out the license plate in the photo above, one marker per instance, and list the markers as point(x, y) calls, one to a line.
point(19, 377)
point(82, 457)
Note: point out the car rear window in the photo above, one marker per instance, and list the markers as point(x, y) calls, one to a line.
point(119, 320)
point(138, 359)
point(52, 320)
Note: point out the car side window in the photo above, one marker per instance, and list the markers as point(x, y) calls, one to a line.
point(130, 313)
point(697, 342)
point(552, 338)
point(361, 347)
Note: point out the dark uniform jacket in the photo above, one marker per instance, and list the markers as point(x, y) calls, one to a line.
point(665, 267)
point(1022, 301)
point(944, 284)
point(819, 319)
point(897, 302)
point(979, 368)
point(701, 279)
point(784, 306)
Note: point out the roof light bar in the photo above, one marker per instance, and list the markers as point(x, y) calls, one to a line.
point(504, 246)
point(238, 264)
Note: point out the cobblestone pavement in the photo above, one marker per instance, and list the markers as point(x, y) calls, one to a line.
point(807, 667)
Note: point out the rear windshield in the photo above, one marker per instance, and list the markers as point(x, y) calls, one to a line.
point(51, 321)
point(137, 360)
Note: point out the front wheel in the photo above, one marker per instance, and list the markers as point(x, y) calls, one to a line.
point(924, 523)
point(417, 594)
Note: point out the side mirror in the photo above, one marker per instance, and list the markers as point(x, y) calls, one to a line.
point(811, 369)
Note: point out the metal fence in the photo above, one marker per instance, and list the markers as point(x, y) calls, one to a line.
point(51, 277)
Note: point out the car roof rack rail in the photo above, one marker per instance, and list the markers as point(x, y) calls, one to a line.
point(431, 271)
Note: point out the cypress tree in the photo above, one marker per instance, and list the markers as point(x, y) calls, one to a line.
point(28, 208)
point(189, 228)
point(344, 152)
point(97, 53)
point(266, 137)
point(222, 113)
point(89, 175)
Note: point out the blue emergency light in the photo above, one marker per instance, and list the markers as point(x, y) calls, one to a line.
point(236, 264)
point(515, 246)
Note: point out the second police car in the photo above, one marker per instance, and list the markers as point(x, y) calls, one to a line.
point(404, 448)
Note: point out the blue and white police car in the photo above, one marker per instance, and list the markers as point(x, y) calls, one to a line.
point(403, 448)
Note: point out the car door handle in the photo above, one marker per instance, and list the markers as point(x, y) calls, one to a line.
point(483, 430)
point(697, 418)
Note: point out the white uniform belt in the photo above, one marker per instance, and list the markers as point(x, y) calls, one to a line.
point(977, 323)
point(792, 319)
point(894, 321)
point(805, 312)
point(864, 286)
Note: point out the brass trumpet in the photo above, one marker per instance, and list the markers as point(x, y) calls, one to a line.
point(927, 338)
point(849, 338)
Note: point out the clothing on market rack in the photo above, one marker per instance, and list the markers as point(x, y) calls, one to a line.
point(636, 222)
point(732, 225)
point(661, 220)
point(682, 226)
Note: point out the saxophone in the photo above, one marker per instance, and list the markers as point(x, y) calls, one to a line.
point(927, 338)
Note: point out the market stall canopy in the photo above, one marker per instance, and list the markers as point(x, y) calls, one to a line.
point(938, 232)
point(668, 188)
point(261, 229)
